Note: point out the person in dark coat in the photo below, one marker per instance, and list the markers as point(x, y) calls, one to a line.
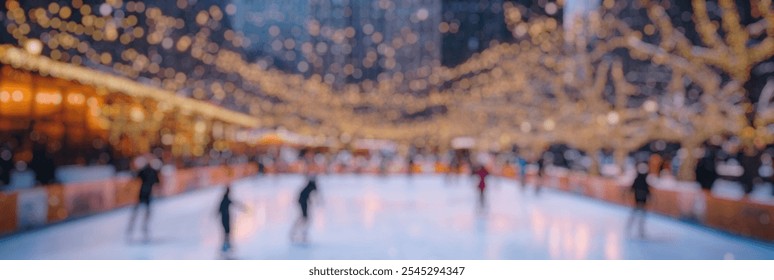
point(454, 165)
point(43, 165)
point(6, 165)
point(522, 172)
point(706, 172)
point(770, 178)
point(541, 172)
point(299, 232)
point(641, 190)
point(149, 177)
point(382, 166)
point(225, 217)
point(750, 162)
point(259, 163)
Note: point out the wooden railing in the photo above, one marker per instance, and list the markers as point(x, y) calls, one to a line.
point(743, 217)
point(35, 207)
point(30, 208)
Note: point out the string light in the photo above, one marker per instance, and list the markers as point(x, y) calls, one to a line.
point(506, 93)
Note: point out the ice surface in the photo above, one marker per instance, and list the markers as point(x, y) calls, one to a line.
point(395, 217)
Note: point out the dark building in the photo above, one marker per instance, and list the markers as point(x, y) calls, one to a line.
point(470, 27)
point(276, 32)
point(343, 41)
point(5, 33)
point(650, 78)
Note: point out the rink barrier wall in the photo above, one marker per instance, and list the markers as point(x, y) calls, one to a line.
point(26, 209)
point(8, 212)
point(747, 219)
point(682, 201)
point(31, 208)
point(57, 211)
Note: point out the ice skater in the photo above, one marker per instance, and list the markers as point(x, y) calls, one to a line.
point(641, 190)
point(6, 165)
point(750, 161)
point(261, 166)
point(706, 170)
point(299, 231)
point(225, 217)
point(149, 177)
point(541, 172)
point(454, 168)
point(522, 172)
point(482, 173)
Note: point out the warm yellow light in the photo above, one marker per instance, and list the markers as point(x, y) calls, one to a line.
point(650, 106)
point(549, 125)
point(33, 46)
point(136, 114)
point(525, 127)
point(76, 99)
point(200, 127)
point(500, 74)
point(5, 96)
point(17, 96)
point(613, 118)
point(48, 98)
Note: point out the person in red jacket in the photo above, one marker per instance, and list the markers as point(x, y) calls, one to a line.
point(482, 173)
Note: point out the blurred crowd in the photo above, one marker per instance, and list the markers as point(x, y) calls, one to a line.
point(729, 160)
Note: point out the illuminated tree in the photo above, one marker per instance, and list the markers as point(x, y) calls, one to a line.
point(565, 88)
point(719, 65)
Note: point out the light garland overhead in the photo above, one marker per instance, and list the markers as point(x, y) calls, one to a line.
point(550, 85)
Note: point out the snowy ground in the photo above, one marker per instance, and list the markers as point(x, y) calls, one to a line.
point(396, 217)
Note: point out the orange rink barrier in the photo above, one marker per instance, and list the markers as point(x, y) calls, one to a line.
point(742, 217)
point(62, 202)
point(7, 213)
point(745, 218)
point(55, 203)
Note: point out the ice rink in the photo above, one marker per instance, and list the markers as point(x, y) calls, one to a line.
point(395, 217)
